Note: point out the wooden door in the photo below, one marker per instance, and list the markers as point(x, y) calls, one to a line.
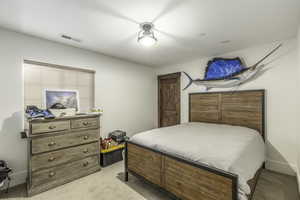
point(169, 99)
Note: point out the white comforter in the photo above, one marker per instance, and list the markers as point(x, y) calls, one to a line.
point(235, 149)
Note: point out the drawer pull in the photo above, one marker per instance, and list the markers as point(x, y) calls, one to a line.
point(86, 137)
point(85, 164)
point(52, 127)
point(85, 151)
point(51, 144)
point(85, 123)
point(51, 159)
point(51, 174)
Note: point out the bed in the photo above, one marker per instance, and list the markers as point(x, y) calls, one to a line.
point(218, 155)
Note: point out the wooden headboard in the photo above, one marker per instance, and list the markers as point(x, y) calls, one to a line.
point(241, 108)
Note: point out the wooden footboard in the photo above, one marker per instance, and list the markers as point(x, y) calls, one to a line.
point(182, 178)
point(145, 163)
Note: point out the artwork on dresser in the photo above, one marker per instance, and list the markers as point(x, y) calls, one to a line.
point(68, 98)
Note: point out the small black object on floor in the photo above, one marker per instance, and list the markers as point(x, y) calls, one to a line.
point(4, 174)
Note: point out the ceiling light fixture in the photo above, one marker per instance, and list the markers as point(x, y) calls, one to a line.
point(146, 36)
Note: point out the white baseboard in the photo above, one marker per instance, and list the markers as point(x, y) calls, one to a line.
point(281, 167)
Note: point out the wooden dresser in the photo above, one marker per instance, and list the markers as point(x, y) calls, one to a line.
point(61, 150)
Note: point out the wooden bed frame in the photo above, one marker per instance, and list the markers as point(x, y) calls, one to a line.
point(193, 181)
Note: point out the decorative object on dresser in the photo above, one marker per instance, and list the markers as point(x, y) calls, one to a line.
point(67, 98)
point(61, 150)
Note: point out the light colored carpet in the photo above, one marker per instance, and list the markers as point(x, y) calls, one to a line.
point(108, 185)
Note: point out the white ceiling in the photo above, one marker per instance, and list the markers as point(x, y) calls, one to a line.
point(111, 26)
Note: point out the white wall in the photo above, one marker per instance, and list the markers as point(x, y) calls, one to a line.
point(126, 91)
point(280, 82)
point(299, 133)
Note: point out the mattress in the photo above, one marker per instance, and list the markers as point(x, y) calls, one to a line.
point(234, 149)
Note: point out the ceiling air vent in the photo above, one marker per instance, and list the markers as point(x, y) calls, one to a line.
point(67, 37)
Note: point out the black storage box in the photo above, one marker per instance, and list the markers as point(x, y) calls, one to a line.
point(112, 157)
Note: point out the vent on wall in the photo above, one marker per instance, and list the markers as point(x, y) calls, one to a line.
point(67, 37)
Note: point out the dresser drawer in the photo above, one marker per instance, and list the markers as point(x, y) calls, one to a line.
point(46, 127)
point(85, 123)
point(51, 143)
point(55, 176)
point(54, 158)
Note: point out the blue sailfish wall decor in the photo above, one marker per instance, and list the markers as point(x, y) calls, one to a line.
point(228, 72)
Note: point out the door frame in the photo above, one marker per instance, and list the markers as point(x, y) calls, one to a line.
point(176, 75)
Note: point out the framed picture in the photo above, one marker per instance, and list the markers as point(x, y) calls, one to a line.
point(68, 98)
